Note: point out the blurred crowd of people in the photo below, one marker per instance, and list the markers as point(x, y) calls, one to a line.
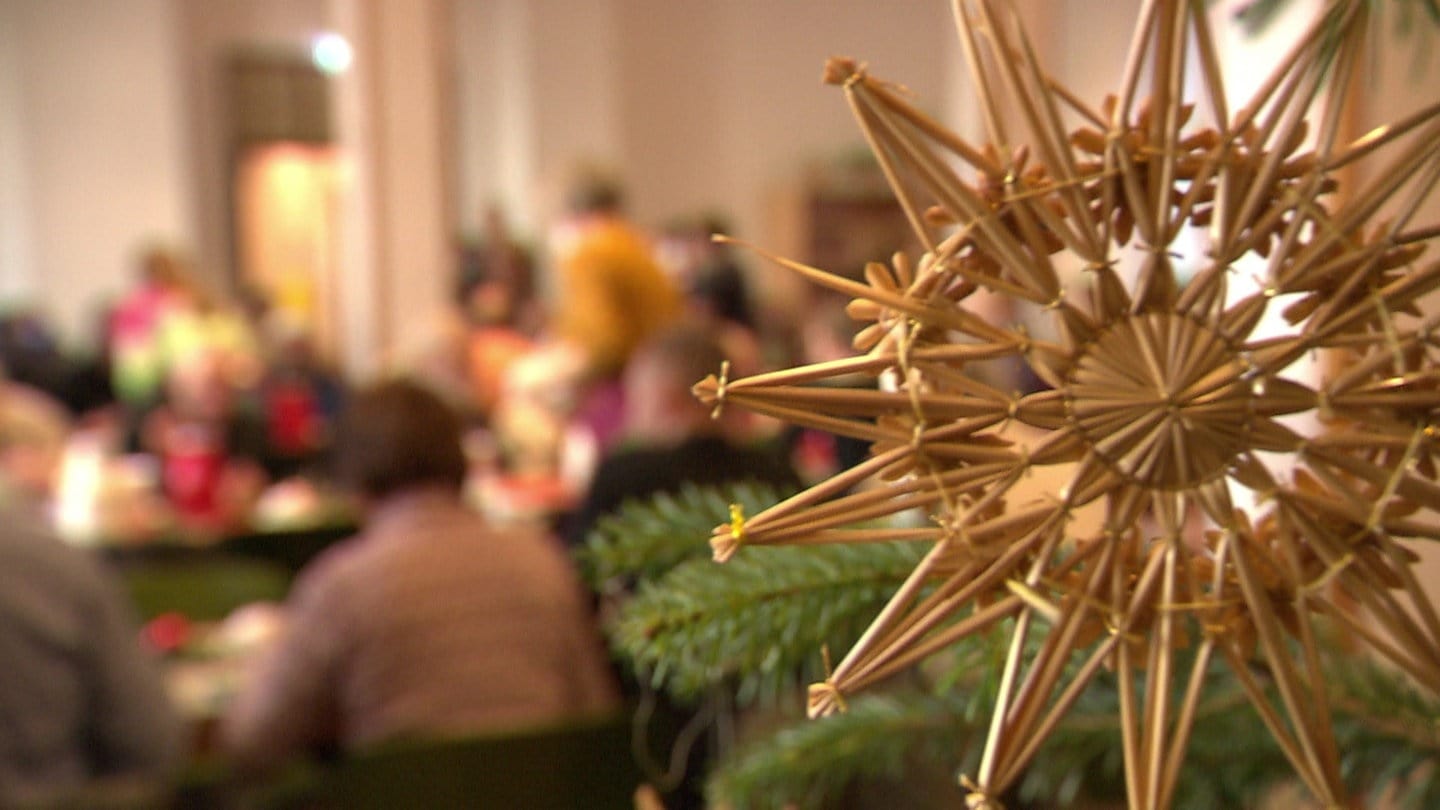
point(551, 377)
point(468, 474)
point(188, 406)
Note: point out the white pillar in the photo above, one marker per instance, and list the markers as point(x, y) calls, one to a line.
point(538, 89)
point(93, 137)
point(397, 222)
point(17, 268)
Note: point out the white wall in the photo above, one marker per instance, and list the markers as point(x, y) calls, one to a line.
point(108, 111)
point(1400, 85)
point(538, 88)
point(414, 220)
point(746, 108)
point(698, 104)
point(99, 122)
point(17, 273)
point(489, 67)
point(701, 105)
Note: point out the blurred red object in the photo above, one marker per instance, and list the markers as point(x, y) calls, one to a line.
point(167, 632)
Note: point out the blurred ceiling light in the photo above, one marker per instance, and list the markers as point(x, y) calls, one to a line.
point(331, 52)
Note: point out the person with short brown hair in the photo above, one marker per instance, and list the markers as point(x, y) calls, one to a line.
point(671, 438)
point(430, 622)
point(399, 436)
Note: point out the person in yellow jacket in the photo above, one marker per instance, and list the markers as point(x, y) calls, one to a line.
point(612, 293)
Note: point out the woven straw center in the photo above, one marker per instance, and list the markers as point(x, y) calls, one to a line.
point(1162, 399)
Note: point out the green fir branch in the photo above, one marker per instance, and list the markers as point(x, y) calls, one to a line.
point(1388, 733)
point(758, 625)
point(1258, 15)
point(811, 764)
point(646, 538)
point(764, 617)
point(1231, 760)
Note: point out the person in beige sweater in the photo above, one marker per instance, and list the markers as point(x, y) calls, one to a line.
point(430, 622)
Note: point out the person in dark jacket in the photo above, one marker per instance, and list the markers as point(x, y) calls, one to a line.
point(671, 438)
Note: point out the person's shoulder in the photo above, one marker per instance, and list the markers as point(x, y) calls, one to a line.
point(730, 460)
point(635, 469)
point(27, 544)
point(614, 237)
point(24, 530)
point(631, 454)
point(334, 569)
point(531, 556)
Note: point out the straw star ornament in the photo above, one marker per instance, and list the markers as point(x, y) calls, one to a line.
point(1162, 399)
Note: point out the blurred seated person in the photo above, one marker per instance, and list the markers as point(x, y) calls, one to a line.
point(827, 333)
point(671, 438)
point(300, 398)
point(83, 703)
point(612, 292)
point(430, 622)
point(34, 428)
point(210, 328)
point(208, 447)
point(31, 353)
point(137, 355)
point(496, 279)
point(495, 291)
point(89, 391)
point(715, 288)
point(611, 295)
point(542, 455)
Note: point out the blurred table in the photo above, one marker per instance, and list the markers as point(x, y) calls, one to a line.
point(289, 549)
point(292, 549)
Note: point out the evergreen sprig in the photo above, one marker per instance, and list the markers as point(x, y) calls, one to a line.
point(758, 623)
point(810, 764)
point(1230, 761)
point(762, 618)
point(1387, 731)
point(647, 537)
point(1258, 15)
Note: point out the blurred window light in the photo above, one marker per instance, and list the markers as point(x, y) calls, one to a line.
point(331, 52)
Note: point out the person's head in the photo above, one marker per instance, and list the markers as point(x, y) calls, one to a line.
point(397, 436)
point(658, 379)
point(290, 341)
point(596, 193)
point(717, 290)
point(33, 431)
point(196, 387)
point(494, 282)
point(163, 266)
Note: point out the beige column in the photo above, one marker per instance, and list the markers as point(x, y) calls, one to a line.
point(538, 90)
point(397, 219)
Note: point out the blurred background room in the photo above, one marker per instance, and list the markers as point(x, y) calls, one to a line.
point(219, 218)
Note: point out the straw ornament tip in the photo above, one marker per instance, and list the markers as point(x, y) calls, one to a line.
point(976, 798)
point(840, 70)
point(825, 699)
point(729, 537)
